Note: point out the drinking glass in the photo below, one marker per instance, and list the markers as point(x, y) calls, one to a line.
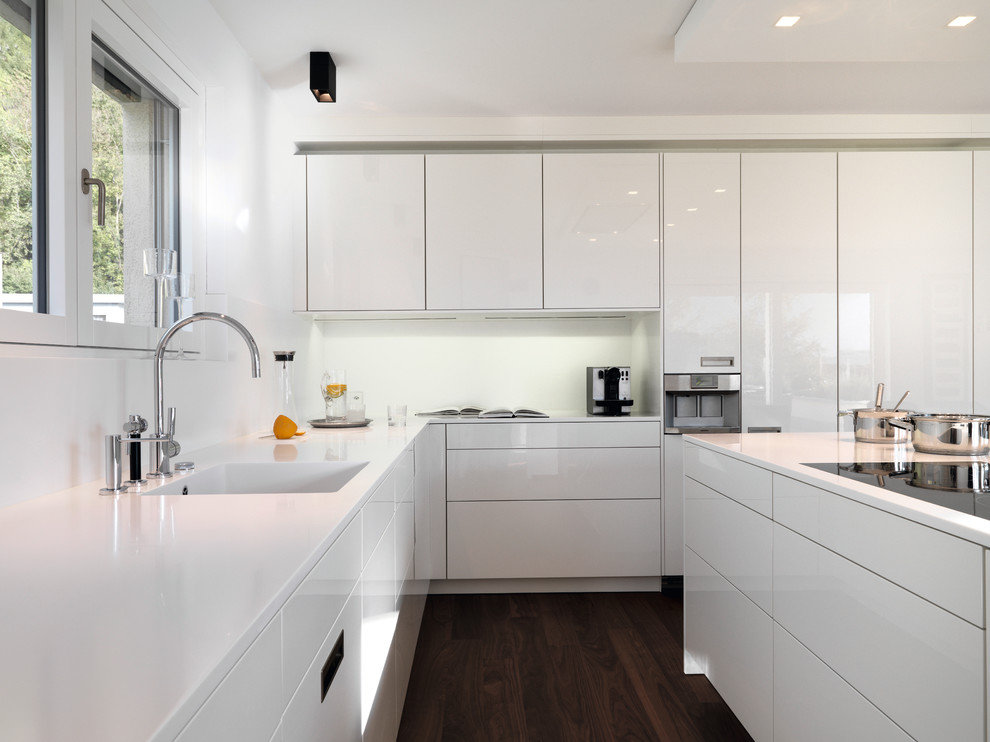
point(397, 416)
point(334, 389)
point(355, 407)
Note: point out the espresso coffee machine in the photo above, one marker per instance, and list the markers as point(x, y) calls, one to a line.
point(609, 390)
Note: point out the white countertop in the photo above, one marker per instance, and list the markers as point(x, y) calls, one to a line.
point(786, 452)
point(121, 613)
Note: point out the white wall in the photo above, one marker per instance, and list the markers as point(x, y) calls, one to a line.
point(494, 362)
point(58, 403)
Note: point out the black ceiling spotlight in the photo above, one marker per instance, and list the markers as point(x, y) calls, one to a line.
point(323, 77)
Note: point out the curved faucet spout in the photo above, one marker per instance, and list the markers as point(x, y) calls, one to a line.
point(160, 455)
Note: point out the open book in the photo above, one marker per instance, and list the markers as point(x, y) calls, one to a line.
point(506, 412)
point(452, 411)
point(476, 411)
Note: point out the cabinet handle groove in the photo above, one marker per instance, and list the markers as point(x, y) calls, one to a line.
point(718, 360)
point(330, 667)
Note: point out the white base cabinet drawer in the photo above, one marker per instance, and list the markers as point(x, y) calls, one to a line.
point(729, 639)
point(553, 474)
point(622, 433)
point(920, 665)
point(580, 538)
point(813, 704)
point(311, 717)
point(743, 482)
point(733, 539)
point(312, 609)
point(941, 568)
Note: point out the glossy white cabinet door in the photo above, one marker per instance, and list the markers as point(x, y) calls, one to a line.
point(311, 717)
point(700, 262)
point(312, 609)
point(484, 231)
point(981, 278)
point(554, 474)
point(571, 538)
point(729, 639)
point(601, 225)
point(672, 501)
point(616, 434)
point(734, 540)
point(744, 482)
point(379, 619)
point(431, 503)
point(365, 232)
point(941, 568)
point(920, 665)
point(789, 305)
point(813, 704)
point(247, 705)
point(905, 278)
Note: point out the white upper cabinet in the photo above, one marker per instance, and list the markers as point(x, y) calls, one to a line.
point(905, 278)
point(365, 232)
point(601, 231)
point(981, 277)
point(701, 263)
point(789, 314)
point(484, 231)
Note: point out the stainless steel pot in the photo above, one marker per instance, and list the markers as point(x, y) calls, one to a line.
point(966, 435)
point(871, 425)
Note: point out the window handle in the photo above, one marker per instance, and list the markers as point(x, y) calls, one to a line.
point(101, 205)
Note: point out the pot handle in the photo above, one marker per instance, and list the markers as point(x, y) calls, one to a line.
point(843, 413)
point(901, 422)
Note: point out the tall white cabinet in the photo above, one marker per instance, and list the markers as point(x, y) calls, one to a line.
point(484, 231)
point(981, 278)
point(601, 230)
point(701, 262)
point(365, 243)
point(789, 305)
point(905, 277)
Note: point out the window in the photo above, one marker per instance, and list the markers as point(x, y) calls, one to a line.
point(22, 194)
point(116, 103)
point(135, 156)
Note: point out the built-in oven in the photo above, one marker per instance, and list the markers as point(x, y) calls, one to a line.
point(701, 403)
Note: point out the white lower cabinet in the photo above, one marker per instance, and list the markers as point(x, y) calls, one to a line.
point(327, 704)
point(733, 539)
point(917, 663)
point(729, 639)
point(571, 538)
point(811, 703)
point(553, 500)
point(334, 662)
point(873, 628)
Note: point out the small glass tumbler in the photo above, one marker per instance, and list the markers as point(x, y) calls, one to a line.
point(355, 407)
point(397, 416)
point(334, 389)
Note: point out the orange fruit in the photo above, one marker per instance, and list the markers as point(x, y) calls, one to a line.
point(335, 390)
point(300, 432)
point(284, 427)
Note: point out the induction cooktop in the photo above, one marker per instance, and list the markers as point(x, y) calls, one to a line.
point(957, 485)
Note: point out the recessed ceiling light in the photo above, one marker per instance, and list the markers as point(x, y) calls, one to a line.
point(719, 190)
point(962, 20)
point(633, 193)
point(786, 21)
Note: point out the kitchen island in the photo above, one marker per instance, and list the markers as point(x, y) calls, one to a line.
point(823, 606)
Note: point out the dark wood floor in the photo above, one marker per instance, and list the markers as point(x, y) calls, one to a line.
point(547, 667)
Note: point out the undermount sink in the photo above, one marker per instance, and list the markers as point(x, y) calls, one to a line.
point(258, 478)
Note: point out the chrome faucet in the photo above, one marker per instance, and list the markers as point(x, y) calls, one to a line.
point(164, 446)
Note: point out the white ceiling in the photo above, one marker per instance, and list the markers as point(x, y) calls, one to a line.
point(617, 57)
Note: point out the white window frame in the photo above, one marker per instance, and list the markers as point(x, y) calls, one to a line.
point(71, 25)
